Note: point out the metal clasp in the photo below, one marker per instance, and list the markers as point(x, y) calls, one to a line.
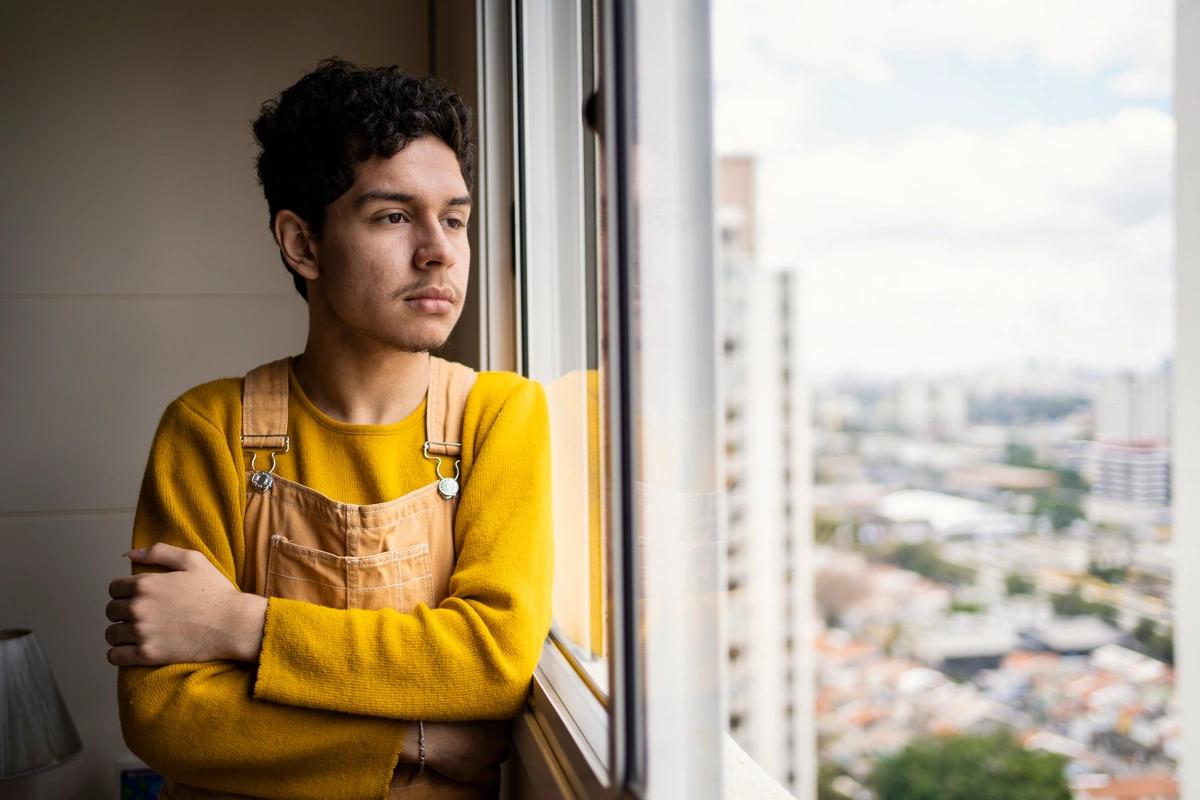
point(447, 487)
point(263, 481)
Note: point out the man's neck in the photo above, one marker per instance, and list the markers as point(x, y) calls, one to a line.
point(362, 387)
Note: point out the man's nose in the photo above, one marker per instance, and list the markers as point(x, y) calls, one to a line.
point(434, 249)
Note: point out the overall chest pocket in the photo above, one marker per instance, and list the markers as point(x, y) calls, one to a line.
point(398, 579)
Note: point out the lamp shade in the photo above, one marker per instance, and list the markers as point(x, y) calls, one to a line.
point(36, 732)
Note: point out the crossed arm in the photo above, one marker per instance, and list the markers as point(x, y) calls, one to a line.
point(189, 613)
point(279, 698)
point(192, 613)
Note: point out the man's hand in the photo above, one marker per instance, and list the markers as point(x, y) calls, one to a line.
point(190, 612)
point(465, 751)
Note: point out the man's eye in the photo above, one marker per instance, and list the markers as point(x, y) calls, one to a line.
point(455, 223)
point(395, 218)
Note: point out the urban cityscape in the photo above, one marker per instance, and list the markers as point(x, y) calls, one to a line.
point(977, 559)
point(993, 552)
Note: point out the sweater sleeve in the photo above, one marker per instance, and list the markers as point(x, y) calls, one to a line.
point(198, 723)
point(472, 657)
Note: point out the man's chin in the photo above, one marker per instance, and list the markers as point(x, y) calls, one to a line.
point(417, 344)
point(402, 342)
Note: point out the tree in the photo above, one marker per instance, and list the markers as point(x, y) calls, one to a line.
point(1070, 479)
point(1020, 455)
point(1060, 506)
point(925, 559)
point(966, 607)
point(1157, 644)
point(965, 767)
point(1072, 604)
point(1107, 574)
point(1015, 583)
point(826, 774)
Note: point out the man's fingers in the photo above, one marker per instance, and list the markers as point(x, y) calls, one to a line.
point(163, 555)
point(123, 587)
point(117, 611)
point(126, 655)
point(120, 633)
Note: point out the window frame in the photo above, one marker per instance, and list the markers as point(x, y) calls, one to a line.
point(663, 640)
point(1186, 401)
point(569, 710)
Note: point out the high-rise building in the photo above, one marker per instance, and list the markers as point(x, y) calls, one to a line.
point(736, 207)
point(1134, 408)
point(1130, 461)
point(769, 602)
point(927, 408)
point(1136, 474)
point(914, 407)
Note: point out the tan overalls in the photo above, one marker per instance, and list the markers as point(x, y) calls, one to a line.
point(302, 545)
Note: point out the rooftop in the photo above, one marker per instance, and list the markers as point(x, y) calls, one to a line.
point(1135, 787)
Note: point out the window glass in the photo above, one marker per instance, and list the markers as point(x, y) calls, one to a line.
point(946, 247)
point(562, 336)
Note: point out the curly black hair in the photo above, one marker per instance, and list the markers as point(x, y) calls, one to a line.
point(314, 133)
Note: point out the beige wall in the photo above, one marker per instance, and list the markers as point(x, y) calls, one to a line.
point(135, 262)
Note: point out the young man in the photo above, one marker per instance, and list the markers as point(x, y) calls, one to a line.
point(343, 561)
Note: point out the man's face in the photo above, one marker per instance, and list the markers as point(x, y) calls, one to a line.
point(399, 233)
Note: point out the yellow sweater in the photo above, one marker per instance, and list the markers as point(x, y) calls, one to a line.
point(320, 715)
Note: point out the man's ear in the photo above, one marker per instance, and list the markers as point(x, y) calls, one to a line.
point(297, 244)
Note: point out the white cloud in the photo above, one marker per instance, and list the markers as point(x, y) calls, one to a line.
point(951, 246)
point(772, 58)
point(936, 306)
point(1084, 37)
point(947, 247)
point(1034, 179)
point(1140, 82)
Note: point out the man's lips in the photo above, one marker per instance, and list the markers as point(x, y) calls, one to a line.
point(431, 300)
point(430, 305)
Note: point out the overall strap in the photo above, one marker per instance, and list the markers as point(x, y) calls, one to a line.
point(449, 385)
point(265, 407)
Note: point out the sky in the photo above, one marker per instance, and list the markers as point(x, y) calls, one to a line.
point(960, 184)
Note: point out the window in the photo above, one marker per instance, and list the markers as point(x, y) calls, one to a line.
point(944, 203)
point(562, 342)
point(563, 337)
point(615, 263)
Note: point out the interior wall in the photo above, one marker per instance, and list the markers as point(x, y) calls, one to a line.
point(135, 262)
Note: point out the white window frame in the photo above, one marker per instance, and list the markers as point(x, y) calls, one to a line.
point(661, 360)
point(570, 714)
point(1186, 407)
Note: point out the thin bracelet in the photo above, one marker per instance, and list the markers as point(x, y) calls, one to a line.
point(421, 745)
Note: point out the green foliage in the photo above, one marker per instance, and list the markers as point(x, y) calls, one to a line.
point(964, 607)
point(824, 529)
point(1018, 584)
point(925, 559)
point(1070, 479)
point(827, 773)
point(1072, 604)
point(1107, 574)
point(1020, 455)
point(1060, 505)
point(963, 767)
point(1152, 642)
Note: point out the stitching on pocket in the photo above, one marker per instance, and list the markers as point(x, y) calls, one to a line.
point(287, 577)
point(427, 578)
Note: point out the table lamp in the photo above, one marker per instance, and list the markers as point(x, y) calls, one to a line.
point(36, 732)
